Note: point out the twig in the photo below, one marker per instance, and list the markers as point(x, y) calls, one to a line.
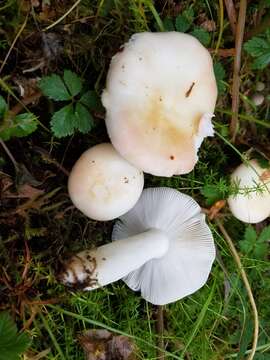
point(231, 14)
point(14, 162)
point(223, 52)
point(236, 67)
point(13, 43)
point(24, 102)
point(64, 16)
point(160, 331)
point(247, 286)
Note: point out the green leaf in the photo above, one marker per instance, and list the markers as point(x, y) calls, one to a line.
point(3, 107)
point(84, 120)
point(19, 126)
point(12, 344)
point(54, 88)
point(63, 121)
point(249, 241)
point(264, 235)
point(256, 46)
point(212, 193)
point(262, 61)
point(168, 24)
point(91, 100)
point(184, 21)
point(202, 35)
point(220, 75)
point(259, 48)
point(260, 250)
point(73, 82)
point(182, 24)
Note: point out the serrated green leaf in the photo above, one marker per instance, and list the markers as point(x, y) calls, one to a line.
point(262, 61)
point(63, 121)
point(184, 21)
point(84, 120)
point(92, 101)
point(220, 75)
point(3, 106)
point(250, 234)
point(12, 344)
point(212, 193)
point(182, 24)
point(73, 82)
point(168, 24)
point(54, 88)
point(19, 126)
point(202, 35)
point(260, 250)
point(256, 46)
point(264, 235)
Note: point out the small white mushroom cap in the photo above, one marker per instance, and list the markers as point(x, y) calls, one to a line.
point(252, 203)
point(185, 266)
point(160, 97)
point(103, 185)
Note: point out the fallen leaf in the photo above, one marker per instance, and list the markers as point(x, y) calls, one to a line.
point(103, 345)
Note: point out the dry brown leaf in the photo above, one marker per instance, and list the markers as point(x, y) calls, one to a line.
point(103, 345)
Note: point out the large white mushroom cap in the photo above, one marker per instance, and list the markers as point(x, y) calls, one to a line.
point(252, 203)
point(160, 96)
point(185, 265)
point(103, 185)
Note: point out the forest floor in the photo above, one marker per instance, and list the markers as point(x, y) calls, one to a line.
point(40, 226)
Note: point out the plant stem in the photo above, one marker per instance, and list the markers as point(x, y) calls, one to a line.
point(247, 286)
point(14, 162)
point(160, 332)
point(237, 66)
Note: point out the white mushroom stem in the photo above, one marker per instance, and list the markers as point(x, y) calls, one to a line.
point(91, 269)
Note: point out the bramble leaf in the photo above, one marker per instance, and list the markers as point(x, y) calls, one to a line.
point(91, 100)
point(73, 82)
point(63, 121)
point(259, 48)
point(202, 35)
point(19, 126)
point(220, 75)
point(54, 88)
point(12, 343)
point(84, 120)
point(184, 21)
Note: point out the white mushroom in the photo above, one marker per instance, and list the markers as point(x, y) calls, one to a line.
point(103, 185)
point(162, 247)
point(252, 203)
point(160, 97)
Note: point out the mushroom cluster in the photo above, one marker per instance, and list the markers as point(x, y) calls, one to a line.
point(159, 99)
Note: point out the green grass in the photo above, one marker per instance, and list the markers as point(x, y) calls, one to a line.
point(214, 323)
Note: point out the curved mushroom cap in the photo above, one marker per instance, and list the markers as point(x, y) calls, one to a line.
point(252, 205)
point(160, 96)
point(186, 265)
point(103, 185)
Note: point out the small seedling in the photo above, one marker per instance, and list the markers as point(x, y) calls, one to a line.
point(12, 125)
point(75, 115)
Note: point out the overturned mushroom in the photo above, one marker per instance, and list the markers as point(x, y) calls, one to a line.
point(252, 203)
point(162, 247)
point(160, 97)
point(103, 185)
